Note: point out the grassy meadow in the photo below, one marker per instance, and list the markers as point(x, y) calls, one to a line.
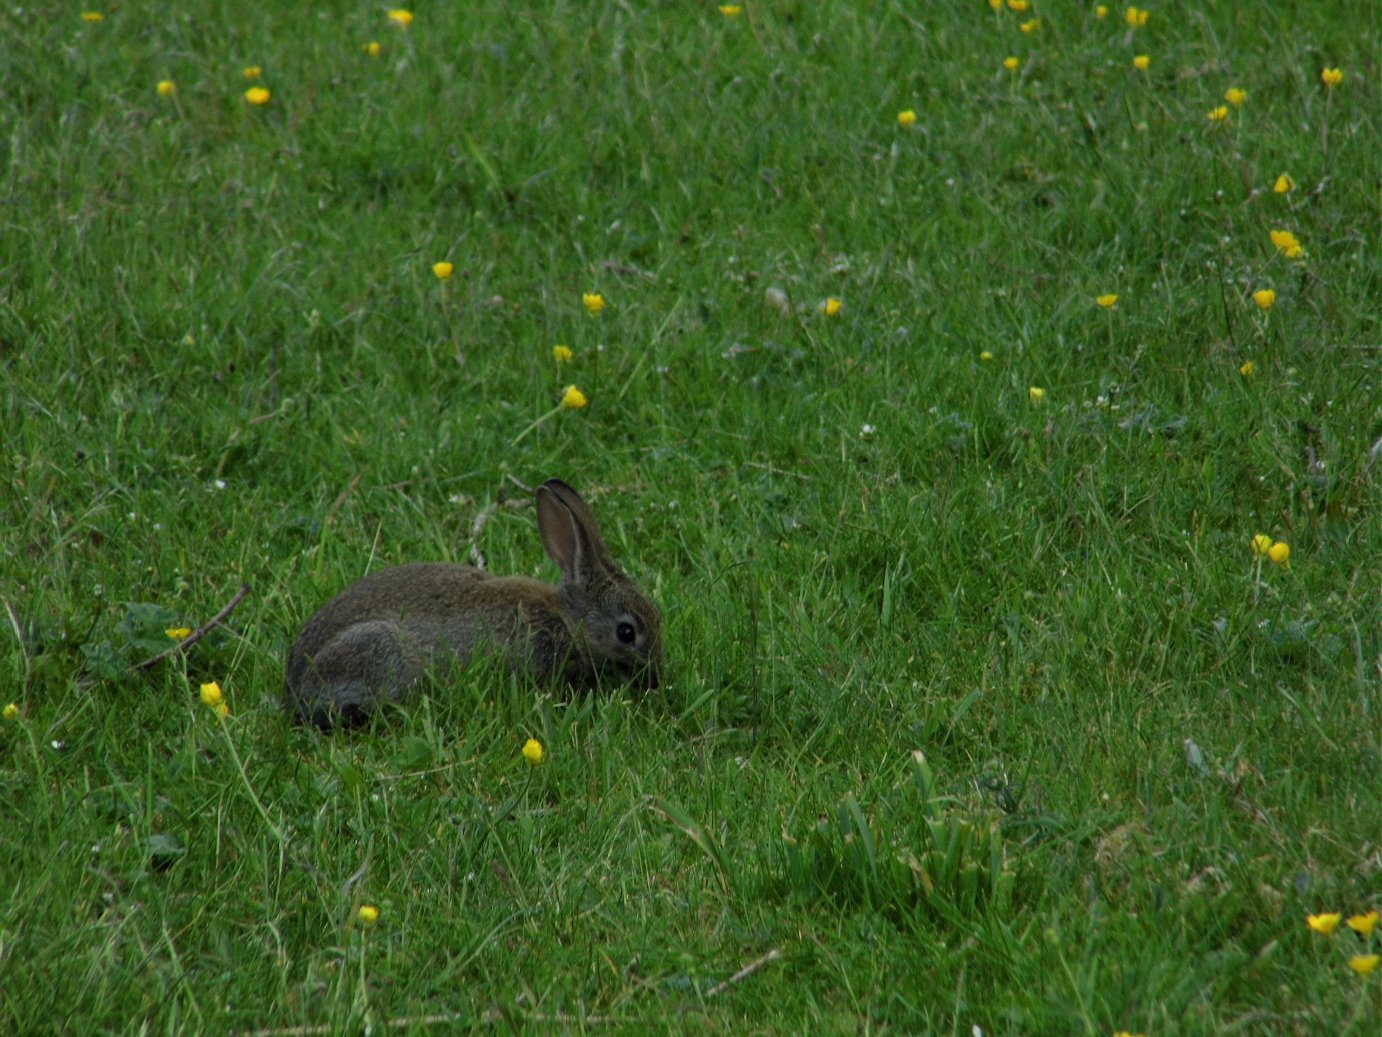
point(937, 399)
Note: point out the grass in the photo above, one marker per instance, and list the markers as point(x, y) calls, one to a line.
point(1146, 754)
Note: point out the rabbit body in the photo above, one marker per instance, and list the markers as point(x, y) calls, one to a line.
point(379, 636)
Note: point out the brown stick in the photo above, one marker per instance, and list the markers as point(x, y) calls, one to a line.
point(201, 631)
point(744, 973)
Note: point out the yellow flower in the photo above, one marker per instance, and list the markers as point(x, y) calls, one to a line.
point(1264, 297)
point(1036, 394)
point(1136, 17)
point(906, 118)
point(997, 5)
point(1012, 64)
point(573, 398)
point(1363, 925)
point(1328, 76)
point(1363, 963)
point(731, 10)
point(1125, 1033)
point(11, 711)
point(831, 307)
point(1323, 924)
point(1141, 61)
point(593, 302)
point(1234, 96)
point(1107, 301)
point(1261, 544)
point(1248, 369)
point(1101, 11)
point(985, 356)
point(373, 49)
point(253, 71)
point(222, 710)
point(257, 95)
point(1030, 26)
point(368, 914)
point(93, 17)
point(211, 695)
point(1019, 5)
point(1218, 114)
point(1287, 244)
point(532, 751)
point(1280, 553)
point(401, 17)
point(443, 269)
point(562, 354)
point(166, 88)
point(1283, 184)
point(178, 633)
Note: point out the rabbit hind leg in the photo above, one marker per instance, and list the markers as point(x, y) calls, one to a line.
point(364, 664)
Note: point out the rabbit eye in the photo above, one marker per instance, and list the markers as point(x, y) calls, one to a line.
point(626, 633)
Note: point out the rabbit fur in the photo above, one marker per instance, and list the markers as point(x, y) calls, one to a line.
point(374, 640)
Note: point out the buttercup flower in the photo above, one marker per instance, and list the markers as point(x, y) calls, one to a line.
point(1030, 26)
point(93, 17)
point(1141, 61)
point(831, 307)
point(1363, 925)
point(731, 10)
point(562, 354)
point(1019, 5)
point(985, 356)
point(1234, 96)
point(368, 914)
point(1136, 17)
point(1261, 544)
point(906, 118)
point(1264, 297)
point(253, 71)
point(166, 88)
point(1012, 64)
point(593, 302)
point(1280, 553)
point(1283, 184)
point(1036, 394)
point(1363, 963)
point(179, 633)
point(257, 95)
point(211, 695)
point(532, 751)
point(11, 711)
point(1287, 244)
point(373, 49)
point(1323, 924)
point(400, 17)
point(1328, 76)
point(1101, 11)
point(443, 269)
point(1107, 301)
point(572, 398)
point(1218, 114)
point(1247, 369)
point(997, 5)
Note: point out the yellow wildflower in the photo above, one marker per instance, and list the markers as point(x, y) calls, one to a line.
point(731, 10)
point(1136, 17)
point(1287, 244)
point(166, 88)
point(831, 307)
point(997, 5)
point(1248, 369)
point(257, 95)
point(1218, 114)
point(179, 633)
point(1141, 61)
point(373, 49)
point(93, 17)
point(1235, 97)
point(401, 18)
point(1363, 925)
point(1261, 544)
point(1019, 5)
point(906, 117)
point(1323, 924)
point(1283, 184)
point(1036, 394)
point(1107, 300)
point(593, 302)
point(1264, 297)
point(1363, 963)
point(253, 71)
point(1101, 11)
point(1031, 26)
point(211, 695)
point(985, 356)
point(562, 354)
point(11, 711)
point(443, 269)
point(1012, 64)
point(1280, 553)
point(1331, 76)
point(368, 914)
point(532, 751)
point(573, 399)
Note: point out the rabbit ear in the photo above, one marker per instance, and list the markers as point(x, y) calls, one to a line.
point(569, 533)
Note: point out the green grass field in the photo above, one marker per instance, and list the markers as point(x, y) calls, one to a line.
point(980, 714)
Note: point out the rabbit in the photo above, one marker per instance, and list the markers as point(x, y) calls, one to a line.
point(374, 640)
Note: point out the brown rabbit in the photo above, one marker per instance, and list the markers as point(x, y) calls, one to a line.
point(375, 639)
